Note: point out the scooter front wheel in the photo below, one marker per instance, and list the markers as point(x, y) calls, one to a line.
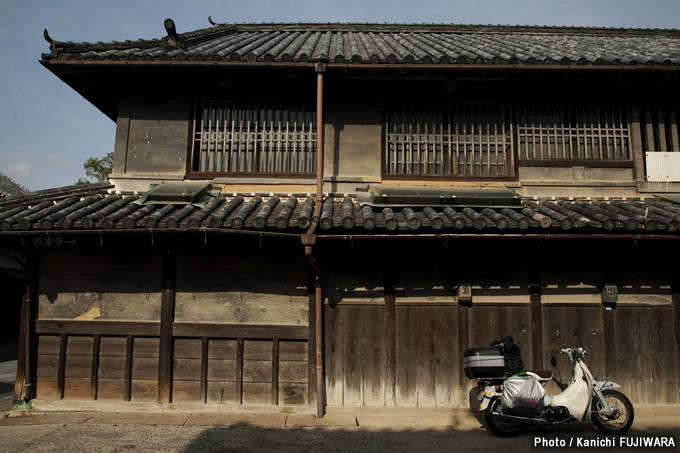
point(502, 428)
point(622, 418)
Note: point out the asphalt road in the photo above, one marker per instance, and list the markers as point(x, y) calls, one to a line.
point(73, 434)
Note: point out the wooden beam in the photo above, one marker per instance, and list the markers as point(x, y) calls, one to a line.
point(246, 331)
point(106, 328)
point(165, 358)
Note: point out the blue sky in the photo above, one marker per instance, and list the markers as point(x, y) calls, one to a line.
point(47, 130)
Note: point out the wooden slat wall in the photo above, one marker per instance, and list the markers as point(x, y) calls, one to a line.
point(429, 350)
point(230, 370)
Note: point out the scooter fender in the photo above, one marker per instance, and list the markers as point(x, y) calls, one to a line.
point(600, 384)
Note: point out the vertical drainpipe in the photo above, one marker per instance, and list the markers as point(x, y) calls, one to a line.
point(309, 241)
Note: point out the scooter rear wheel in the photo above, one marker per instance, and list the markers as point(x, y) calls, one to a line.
point(622, 418)
point(501, 428)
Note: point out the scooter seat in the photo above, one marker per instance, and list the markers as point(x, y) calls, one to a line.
point(543, 375)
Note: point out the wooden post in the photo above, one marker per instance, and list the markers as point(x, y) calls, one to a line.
point(167, 318)
point(24, 382)
point(536, 318)
point(390, 338)
point(675, 285)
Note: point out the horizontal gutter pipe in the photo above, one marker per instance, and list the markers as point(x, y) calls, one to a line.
point(314, 225)
point(369, 66)
point(162, 231)
point(636, 237)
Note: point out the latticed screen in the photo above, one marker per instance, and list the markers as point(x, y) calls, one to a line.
point(659, 129)
point(576, 133)
point(254, 137)
point(449, 140)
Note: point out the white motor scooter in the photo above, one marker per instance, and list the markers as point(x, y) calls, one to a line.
point(610, 410)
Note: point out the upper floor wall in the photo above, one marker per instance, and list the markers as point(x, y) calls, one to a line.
point(585, 135)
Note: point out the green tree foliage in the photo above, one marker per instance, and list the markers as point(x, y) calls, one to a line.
point(97, 170)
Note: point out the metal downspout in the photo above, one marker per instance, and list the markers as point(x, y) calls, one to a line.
point(309, 241)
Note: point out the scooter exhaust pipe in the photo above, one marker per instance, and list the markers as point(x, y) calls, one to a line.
point(520, 419)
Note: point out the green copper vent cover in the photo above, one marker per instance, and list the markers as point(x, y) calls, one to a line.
point(178, 192)
point(383, 196)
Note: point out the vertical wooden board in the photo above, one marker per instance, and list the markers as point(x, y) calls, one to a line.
point(293, 394)
point(77, 388)
point(447, 362)
point(144, 389)
point(187, 348)
point(79, 346)
point(519, 326)
point(48, 344)
point(220, 349)
point(554, 321)
point(111, 367)
point(632, 354)
point(78, 366)
point(353, 363)
point(112, 346)
point(406, 370)
point(110, 389)
point(144, 368)
point(257, 350)
point(293, 372)
point(47, 365)
point(334, 354)
point(294, 351)
point(257, 393)
point(186, 370)
point(145, 347)
point(374, 355)
point(425, 356)
point(257, 371)
point(46, 387)
point(222, 370)
point(221, 392)
point(186, 391)
point(590, 324)
point(663, 344)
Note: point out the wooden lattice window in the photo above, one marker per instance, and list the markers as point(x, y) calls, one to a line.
point(659, 130)
point(449, 140)
point(254, 137)
point(573, 133)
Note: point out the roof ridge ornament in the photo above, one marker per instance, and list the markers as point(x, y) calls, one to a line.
point(173, 40)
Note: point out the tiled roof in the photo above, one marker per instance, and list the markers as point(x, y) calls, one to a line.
point(358, 44)
point(9, 187)
point(100, 211)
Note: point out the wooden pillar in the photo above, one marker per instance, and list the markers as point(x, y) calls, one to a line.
point(675, 285)
point(167, 318)
point(25, 377)
point(390, 338)
point(536, 317)
point(636, 145)
point(463, 345)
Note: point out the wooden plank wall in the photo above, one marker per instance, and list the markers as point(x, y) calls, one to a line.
point(87, 365)
point(634, 345)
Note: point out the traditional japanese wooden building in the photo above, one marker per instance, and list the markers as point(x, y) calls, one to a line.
point(317, 215)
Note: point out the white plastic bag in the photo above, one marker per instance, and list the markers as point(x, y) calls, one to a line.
point(522, 391)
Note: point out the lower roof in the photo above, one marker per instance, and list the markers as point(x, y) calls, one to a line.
point(96, 209)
